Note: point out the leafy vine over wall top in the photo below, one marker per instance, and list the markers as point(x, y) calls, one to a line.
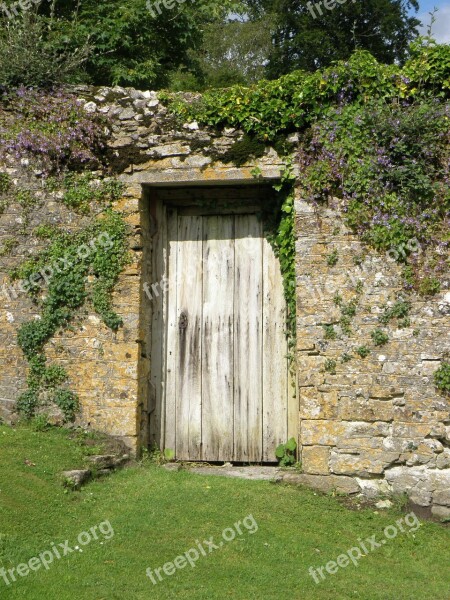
point(295, 100)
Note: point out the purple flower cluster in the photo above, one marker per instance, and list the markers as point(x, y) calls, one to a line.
point(50, 128)
point(391, 165)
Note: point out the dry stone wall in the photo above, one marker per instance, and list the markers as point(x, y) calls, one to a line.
point(374, 425)
point(377, 419)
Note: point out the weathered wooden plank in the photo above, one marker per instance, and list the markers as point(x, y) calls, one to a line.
point(248, 315)
point(247, 209)
point(158, 333)
point(204, 194)
point(217, 363)
point(275, 362)
point(172, 332)
point(189, 359)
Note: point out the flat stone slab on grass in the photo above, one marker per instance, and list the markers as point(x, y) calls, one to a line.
point(255, 472)
point(342, 484)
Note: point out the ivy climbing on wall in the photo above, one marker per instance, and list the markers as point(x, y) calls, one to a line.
point(53, 134)
point(283, 242)
point(294, 101)
point(82, 268)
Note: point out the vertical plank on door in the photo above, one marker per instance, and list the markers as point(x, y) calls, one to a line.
point(189, 364)
point(248, 340)
point(172, 332)
point(275, 362)
point(217, 364)
point(158, 302)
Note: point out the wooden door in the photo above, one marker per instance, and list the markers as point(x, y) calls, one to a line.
point(222, 375)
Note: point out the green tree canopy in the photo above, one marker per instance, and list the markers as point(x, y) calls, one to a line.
point(144, 44)
point(137, 43)
point(309, 37)
point(233, 52)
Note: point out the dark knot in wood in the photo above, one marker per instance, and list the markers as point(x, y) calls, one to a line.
point(183, 321)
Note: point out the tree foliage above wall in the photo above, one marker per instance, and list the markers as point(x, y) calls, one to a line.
point(309, 35)
point(128, 43)
point(186, 45)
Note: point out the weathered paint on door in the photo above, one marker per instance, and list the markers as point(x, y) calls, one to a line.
point(222, 376)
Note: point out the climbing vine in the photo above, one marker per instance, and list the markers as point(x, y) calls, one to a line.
point(51, 132)
point(389, 163)
point(296, 100)
point(50, 129)
point(79, 268)
point(282, 239)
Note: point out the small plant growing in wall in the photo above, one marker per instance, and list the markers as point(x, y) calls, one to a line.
point(379, 337)
point(285, 453)
point(329, 332)
point(399, 310)
point(349, 310)
point(337, 299)
point(345, 323)
point(442, 377)
point(5, 182)
point(45, 231)
point(359, 287)
point(3, 205)
point(8, 246)
point(332, 258)
point(169, 454)
point(403, 323)
point(362, 351)
point(429, 286)
point(330, 366)
point(358, 259)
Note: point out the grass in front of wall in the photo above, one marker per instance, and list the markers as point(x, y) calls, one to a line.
point(158, 515)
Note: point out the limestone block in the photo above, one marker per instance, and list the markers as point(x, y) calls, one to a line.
point(315, 460)
point(440, 512)
point(324, 483)
point(442, 496)
point(365, 410)
point(317, 405)
point(361, 464)
point(174, 149)
point(323, 433)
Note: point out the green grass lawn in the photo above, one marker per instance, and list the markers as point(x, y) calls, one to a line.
point(157, 515)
